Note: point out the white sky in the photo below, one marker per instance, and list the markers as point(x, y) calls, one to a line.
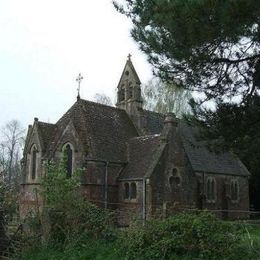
point(44, 44)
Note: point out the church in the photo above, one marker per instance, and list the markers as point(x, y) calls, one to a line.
point(140, 163)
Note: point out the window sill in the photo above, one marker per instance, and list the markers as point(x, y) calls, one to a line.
point(211, 201)
point(130, 200)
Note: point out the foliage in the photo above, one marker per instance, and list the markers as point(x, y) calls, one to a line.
point(163, 98)
point(67, 212)
point(80, 249)
point(183, 236)
point(11, 143)
point(103, 99)
point(236, 128)
point(200, 236)
point(8, 200)
point(209, 46)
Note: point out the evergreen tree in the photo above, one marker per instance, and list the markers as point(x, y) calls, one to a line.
point(210, 46)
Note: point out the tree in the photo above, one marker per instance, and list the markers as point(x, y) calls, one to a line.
point(209, 46)
point(164, 98)
point(12, 139)
point(103, 99)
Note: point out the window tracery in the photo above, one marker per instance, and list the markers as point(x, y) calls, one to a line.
point(68, 156)
point(211, 190)
point(234, 190)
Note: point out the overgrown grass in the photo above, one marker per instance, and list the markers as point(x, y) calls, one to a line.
point(249, 247)
point(85, 248)
point(88, 249)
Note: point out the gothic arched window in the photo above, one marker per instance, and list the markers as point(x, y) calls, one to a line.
point(68, 153)
point(126, 191)
point(121, 95)
point(133, 190)
point(175, 179)
point(211, 189)
point(234, 190)
point(131, 94)
point(33, 162)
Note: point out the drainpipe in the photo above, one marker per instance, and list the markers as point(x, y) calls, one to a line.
point(144, 201)
point(106, 163)
point(106, 185)
point(203, 190)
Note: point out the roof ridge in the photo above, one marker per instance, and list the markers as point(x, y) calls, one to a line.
point(154, 112)
point(99, 104)
point(145, 136)
point(45, 123)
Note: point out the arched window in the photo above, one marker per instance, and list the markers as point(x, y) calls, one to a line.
point(133, 190)
point(234, 190)
point(68, 153)
point(126, 191)
point(211, 189)
point(130, 93)
point(33, 162)
point(174, 179)
point(121, 94)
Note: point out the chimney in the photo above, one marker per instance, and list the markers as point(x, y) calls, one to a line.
point(170, 125)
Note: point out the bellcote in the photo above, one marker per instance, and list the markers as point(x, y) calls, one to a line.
point(129, 89)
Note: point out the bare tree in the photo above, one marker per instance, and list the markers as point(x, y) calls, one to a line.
point(11, 143)
point(165, 97)
point(103, 99)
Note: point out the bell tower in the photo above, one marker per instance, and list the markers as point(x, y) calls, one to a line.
point(129, 95)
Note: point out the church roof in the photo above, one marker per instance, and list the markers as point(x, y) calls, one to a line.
point(108, 133)
point(204, 160)
point(149, 148)
point(102, 129)
point(143, 154)
point(46, 133)
point(153, 122)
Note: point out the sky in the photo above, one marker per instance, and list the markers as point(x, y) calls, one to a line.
point(44, 45)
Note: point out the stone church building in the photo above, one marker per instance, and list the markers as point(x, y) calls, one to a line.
point(135, 161)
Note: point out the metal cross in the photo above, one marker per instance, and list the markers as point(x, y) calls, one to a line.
point(79, 79)
point(129, 56)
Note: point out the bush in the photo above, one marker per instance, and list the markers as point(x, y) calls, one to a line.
point(200, 236)
point(66, 214)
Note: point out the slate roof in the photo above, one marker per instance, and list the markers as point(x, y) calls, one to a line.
point(143, 154)
point(103, 128)
point(153, 122)
point(145, 151)
point(203, 160)
point(46, 132)
point(111, 135)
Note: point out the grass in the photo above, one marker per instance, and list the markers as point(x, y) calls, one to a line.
point(97, 250)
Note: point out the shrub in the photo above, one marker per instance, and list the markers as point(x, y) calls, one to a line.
point(200, 236)
point(66, 214)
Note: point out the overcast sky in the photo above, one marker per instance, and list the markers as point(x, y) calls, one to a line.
point(45, 44)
